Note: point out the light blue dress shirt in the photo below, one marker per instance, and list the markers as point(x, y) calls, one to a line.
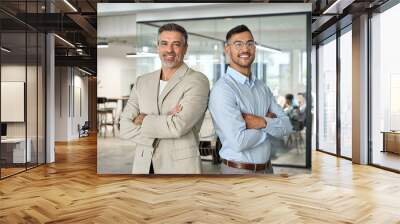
point(234, 94)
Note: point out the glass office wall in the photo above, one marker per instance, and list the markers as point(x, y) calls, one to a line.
point(22, 91)
point(13, 88)
point(314, 96)
point(385, 89)
point(281, 63)
point(327, 96)
point(346, 93)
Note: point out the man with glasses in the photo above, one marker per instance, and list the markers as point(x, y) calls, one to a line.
point(165, 111)
point(244, 111)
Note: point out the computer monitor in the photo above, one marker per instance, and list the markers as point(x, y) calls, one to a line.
point(3, 129)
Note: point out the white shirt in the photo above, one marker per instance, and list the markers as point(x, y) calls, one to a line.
point(162, 86)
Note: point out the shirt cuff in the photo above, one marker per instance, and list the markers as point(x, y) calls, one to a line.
point(268, 120)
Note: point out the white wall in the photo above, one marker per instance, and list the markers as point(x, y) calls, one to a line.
point(126, 26)
point(33, 125)
point(67, 80)
point(61, 103)
point(16, 73)
point(81, 83)
point(115, 72)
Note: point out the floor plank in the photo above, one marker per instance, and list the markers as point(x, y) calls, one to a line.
point(70, 191)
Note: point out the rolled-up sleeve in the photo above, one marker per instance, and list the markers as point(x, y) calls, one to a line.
point(279, 126)
point(229, 123)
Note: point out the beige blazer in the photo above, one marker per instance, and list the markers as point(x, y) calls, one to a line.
point(170, 141)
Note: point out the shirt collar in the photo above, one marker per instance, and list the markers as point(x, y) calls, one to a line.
point(239, 77)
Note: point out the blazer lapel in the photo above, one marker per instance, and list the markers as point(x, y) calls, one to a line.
point(176, 78)
point(153, 88)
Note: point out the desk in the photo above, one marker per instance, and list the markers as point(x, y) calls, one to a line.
point(391, 141)
point(15, 148)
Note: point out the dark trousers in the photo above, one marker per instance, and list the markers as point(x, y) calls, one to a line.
point(151, 168)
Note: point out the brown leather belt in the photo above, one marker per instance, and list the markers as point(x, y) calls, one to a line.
point(247, 166)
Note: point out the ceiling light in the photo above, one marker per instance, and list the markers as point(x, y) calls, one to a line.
point(84, 71)
point(337, 7)
point(264, 48)
point(102, 45)
point(141, 55)
point(65, 41)
point(78, 50)
point(215, 47)
point(70, 5)
point(5, 50)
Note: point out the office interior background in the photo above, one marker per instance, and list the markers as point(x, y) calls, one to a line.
point(129, 51)
point(75, 91)
point(53, 91)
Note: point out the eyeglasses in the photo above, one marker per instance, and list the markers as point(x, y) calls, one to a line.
point(239, 44)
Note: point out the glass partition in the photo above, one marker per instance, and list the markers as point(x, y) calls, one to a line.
point(281, 63)
point(22, 91)
point(385, 89)
point(14, 153)
point(327, 96)
point(346, 94)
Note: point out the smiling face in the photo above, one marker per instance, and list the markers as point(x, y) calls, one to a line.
point(172, 49)
point(241, 50)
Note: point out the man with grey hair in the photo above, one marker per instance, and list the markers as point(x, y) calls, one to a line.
point(165, 110)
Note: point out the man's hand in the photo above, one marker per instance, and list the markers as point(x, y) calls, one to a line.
point(270, 115)
point(178, 108)
point(254, 122)
point(139, 119)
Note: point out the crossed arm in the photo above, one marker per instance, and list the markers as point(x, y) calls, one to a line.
point(245, 131)
point(138, 120)
point(276, 122)
point(137, 126)
point(132, 130)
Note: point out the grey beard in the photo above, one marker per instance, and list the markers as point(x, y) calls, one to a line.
point(168, 64)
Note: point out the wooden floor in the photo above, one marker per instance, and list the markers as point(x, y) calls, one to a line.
point(70, 191)
point(10, 171)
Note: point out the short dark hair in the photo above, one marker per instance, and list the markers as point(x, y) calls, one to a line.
point(289, 97)
point(237, 29)
point(173, 27)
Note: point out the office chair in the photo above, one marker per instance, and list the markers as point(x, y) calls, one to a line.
point(84, 130)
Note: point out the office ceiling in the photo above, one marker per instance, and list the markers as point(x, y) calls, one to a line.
point(78, 24)
point(74, 22)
